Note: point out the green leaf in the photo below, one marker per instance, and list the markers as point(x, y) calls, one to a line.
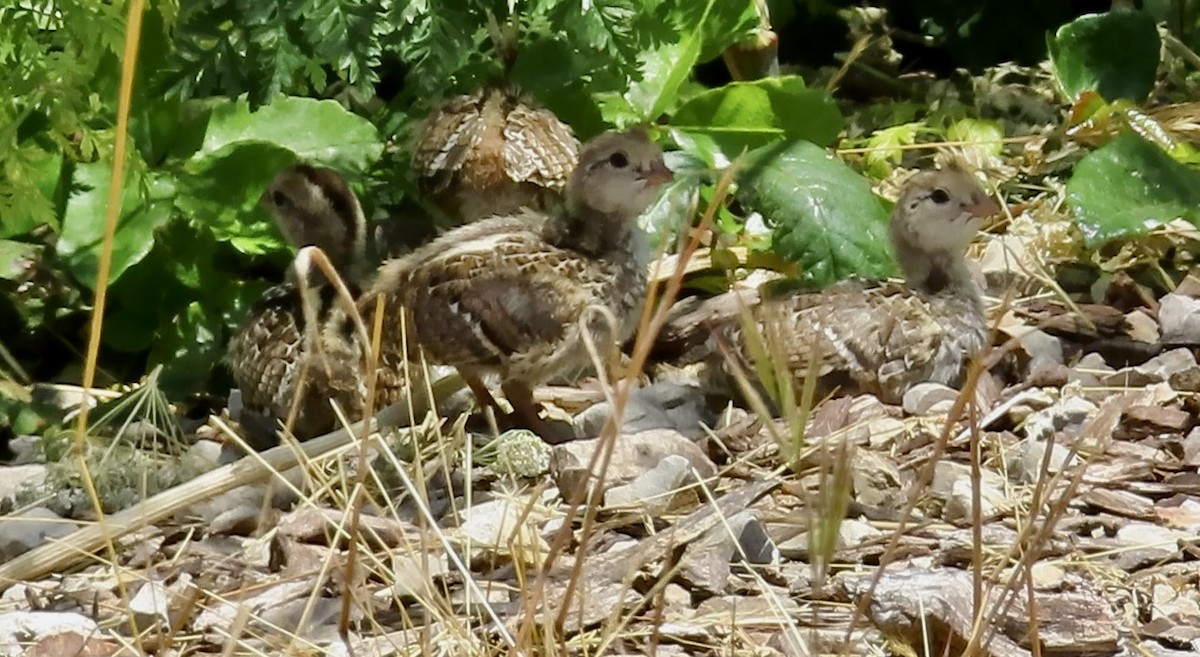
point(314, 130)
point(825, 215)
point(221, 194)
point(885, 147)
point(189, 349)
point(984, 135)
point(1115, 54)
point(16, 258)
point(753, 114)
point(664, 69)
point(1129, 187)
point(83, 223)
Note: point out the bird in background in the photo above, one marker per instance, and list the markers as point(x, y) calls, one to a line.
point(512, 295)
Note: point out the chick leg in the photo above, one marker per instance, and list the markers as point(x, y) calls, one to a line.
point(525, 410)
point(482, 394)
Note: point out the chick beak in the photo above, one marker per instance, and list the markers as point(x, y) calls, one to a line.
point(983, 207)
point(656, 174)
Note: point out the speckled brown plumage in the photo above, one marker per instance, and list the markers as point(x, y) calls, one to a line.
point(275, 356)
point(491, 153)
point(505, 295)
point(885, 339)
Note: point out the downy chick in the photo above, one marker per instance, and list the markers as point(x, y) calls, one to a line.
point(276, 356)
point(887, 338)
point(493, 152)
point(506, 294)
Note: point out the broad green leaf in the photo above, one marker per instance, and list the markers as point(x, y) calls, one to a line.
point(664, 69)
point(34, 198)
point(1129, 187)
point(16, 257)
point(824, 215)
point(314, 130)
point(752, 114)
point(984, 135)
point(221, 194)
point(1115, 54)
point(189, 349)
point(884, 145)
point(83, 223)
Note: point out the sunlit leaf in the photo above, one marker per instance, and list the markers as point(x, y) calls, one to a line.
point(1129, 187)
point(825, 215)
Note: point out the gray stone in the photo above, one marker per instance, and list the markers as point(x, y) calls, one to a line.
point(24, 531)
point(652, 491)
point(1067, 413)
point(1179, 319)
point(947, 474)
point(20, 629)
point(662, 405)
point(1024, 461)
point(705, 564)
point(927, 398)
point(1040, 344)
point(960, 506)
point(15, 477)
point(151, 605)
point(632, 455)
point(1156, 370)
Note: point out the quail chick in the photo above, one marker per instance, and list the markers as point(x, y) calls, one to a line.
point(506, 294)
point(276, 355)
point(491, 153)
point(887, 338)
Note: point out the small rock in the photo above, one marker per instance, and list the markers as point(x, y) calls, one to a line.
point(662, 405)
point(653, 492)
point(413, 574)
point(1142, 327)
point(18, 629)
point(506, 526)
point(15, 477)
point(947, 474)
point(202, 456)
point(923, 398)
point(1189, 286)
point(959, 507)
point(1046, 373)
point(1067, 414)
point(24, 531)
point(1090, 370)
point(240, 520)
point(1179, 317)
point(1156, 370)
point(876, 478)
point(151, 605)
point(1168, 602)
point(1145, 420)
point(705, 564)
point(1191, 448)
point(632, 455)
point(1040, 344)
point(1024, 461)
point(1047, 576)
point(885, 431)
point(853, 533)
point(1031, 402)
point(1146, 543)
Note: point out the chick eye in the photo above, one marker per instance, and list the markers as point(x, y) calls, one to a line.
point(279, 198)
point(618, 160)
point(940, 196)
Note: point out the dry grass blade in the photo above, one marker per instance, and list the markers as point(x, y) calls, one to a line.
point(133, 32)
point(649, 325)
